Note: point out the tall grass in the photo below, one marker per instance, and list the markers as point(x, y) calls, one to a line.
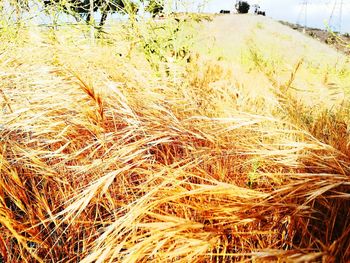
point(115, 153)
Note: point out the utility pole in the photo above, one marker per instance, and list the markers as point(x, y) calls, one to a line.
point(305, 22)
point(340, 14)
point(303, 11)
point(332, 13)
point(337, 10)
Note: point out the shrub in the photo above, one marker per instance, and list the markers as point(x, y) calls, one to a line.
point(242, 7)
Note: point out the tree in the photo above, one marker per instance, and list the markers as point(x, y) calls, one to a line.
point(80, 9)
point(242, 7)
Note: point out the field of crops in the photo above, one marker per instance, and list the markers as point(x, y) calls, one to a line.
point(173, 141)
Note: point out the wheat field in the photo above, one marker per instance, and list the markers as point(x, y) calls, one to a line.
point(154, 145)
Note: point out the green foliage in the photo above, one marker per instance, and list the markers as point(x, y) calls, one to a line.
point(340, 41)
point(10, 31)
point(200, 17)
point(7, 32)
point(253, 175)
point(242, 7)
point(167, 41)
point(155, 7)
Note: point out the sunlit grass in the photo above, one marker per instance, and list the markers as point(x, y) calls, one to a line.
point(126, 152)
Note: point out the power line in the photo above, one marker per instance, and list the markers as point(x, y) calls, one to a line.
point(303, 12)
point(335, 19)
point(306, 3)
point(337, 12)
point(332, 13)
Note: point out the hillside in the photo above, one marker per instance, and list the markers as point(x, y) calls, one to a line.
point(242, 42)
point(338, 41)
point(173, 141)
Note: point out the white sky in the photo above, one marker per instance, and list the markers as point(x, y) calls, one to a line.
point(318, 11)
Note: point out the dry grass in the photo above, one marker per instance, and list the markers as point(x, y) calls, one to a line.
point(105, 158)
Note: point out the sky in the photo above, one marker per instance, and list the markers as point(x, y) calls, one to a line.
point(318, 11)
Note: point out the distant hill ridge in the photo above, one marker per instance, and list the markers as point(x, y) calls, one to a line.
point(334, 39)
